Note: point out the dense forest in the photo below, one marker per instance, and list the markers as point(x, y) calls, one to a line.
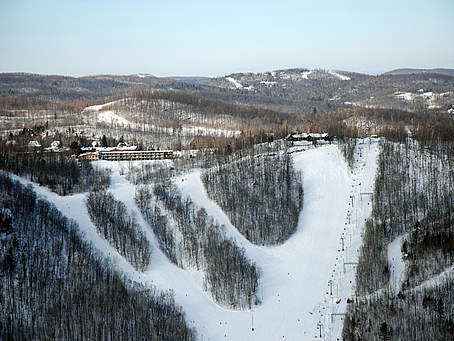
point(191, 239)
point(115, 224)
point(412, 199)
point(261, 194)
point(55, 286)
point(213, 108)
point(56, 171)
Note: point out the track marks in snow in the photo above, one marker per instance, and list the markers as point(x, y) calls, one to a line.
point(340, 284)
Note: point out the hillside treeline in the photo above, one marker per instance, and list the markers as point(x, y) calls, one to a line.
point(347, 147)
point(412, 198)
point(55, 286)
point(396, 125)
point(192, 240)
point(29, 103)
point(215, 108)
point(56, 171)
point(261, 194)
point(114, 223)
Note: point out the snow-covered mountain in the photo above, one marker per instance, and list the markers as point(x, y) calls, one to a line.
point(252, 81)
point(154, 224)
point(303, 281)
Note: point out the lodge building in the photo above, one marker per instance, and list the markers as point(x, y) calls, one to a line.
point(126, 155)
point(136, 155)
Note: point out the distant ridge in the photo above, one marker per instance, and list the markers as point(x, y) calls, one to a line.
point(409, 71)
point(190, 79)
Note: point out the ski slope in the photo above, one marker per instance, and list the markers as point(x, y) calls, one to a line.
point(396, 263)
point(297, 300)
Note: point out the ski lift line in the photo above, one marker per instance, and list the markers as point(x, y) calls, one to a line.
point(320, 325)
point(336, 314)
point(348, 263)
point(252, 311)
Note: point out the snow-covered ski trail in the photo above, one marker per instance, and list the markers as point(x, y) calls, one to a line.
point(297, 301)
point(296, 275)
point(341, 283)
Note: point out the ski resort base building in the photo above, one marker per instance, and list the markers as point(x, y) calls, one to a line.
point(89, 156)
point(127, 155)
point(136, 155)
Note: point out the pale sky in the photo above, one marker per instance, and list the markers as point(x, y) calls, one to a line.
point(214, 38)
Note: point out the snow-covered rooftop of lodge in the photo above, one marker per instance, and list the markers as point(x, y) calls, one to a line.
point(306, 135)
point(134, 151)
point(89, 153)
point(116, 149)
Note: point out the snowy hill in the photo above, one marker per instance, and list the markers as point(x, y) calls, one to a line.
point(295, 276)
point(409, 71)
point(252, 81)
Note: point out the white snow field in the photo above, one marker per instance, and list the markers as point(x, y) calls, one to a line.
point(396, 263)
point(98, 114)
point(297, 301)
point(338, 75)
point(237, 84)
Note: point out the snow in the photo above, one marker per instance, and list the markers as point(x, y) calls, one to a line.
point(341, 77)
point(408, 96)
point(429, 98)
point(98, 114)
point(234, 82)
point(99, 107)
point(306, 74)
point(396, 263)
point(354, 104)
point(205, 131)
point(294, 276)
point(34, 144)
point(143, 75)
point(269, 83)
point(107, 116)
point(436, 280)
point(73, 207)
point(110, 117)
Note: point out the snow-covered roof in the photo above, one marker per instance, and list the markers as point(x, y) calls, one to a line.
point(55, 144)
point(34, 144)
point(319, 135)
point(306, 135)
point(136, 151)
point(85, 154)
point(116, 149)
